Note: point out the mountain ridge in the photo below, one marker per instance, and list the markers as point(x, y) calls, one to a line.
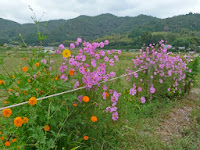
point(93, 27)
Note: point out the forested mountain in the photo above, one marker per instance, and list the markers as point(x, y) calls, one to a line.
point(91, 28)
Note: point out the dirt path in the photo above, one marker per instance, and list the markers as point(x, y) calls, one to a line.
point(179, 119)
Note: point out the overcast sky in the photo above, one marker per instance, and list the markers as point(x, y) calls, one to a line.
point(19, 11)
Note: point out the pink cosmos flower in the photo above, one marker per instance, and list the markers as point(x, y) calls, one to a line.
point(143, 100)
point(112, 74)
point(80, 97)
point(61, 46)
point(43, 61)
point(132, 91)
point(79, 40)
point(58, 51)
point(113, 109)
point(93, 62)
point(108, 52)
point(161, 81)
point(50, 68)
point(63, 77)
point(119, 52)
point(72, 45)
point(76, 85)
point(104, 95)
point(97, 56)
point(115, 116)
point(106, 59)
point(110, 91)
point(52, 61)
point(104, 87)
point(102, 53)
point(116, 57)
point(139, 89)
point(101, 44)
point(152, 90)
point(106, 42)
point(111, 62)
point(77, 43)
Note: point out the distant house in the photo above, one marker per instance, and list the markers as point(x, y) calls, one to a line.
point(168, 46)
point(198, 46)
point(49, 49)
point(181, 48)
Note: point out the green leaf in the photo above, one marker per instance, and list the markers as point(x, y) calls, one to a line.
point(75, 148)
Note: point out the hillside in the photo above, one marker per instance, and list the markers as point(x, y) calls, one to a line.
point(91, 28)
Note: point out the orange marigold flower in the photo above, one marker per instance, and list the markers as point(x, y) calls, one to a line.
point(85, 99)
point(107, 94)
point(36, 89)
point(24, 69)
point(74, 104)
point(2, 137)
point(32, 101)
point(85, 137)
point(46, 128)
point(18, 121)
point(5, 102)
point(18, 147)
point(25, 120)
point(56, 78)
point(93, 119)
point(1, 82)
point(24, 58)
point(71, 72)
point(13, 76)
point(7, 143)
point(0, 132)
point(7, 112)
point(10, 90)
point(38, 73)
point(18, 82)
point(37, 64)
point(29, 80)
point(14, 140)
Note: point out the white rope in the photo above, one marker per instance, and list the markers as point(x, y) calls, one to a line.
point(57, 94)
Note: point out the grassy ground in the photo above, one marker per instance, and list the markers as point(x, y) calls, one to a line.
point(173, 125)
point(162, 124)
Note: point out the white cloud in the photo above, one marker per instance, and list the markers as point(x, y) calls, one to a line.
point(67, 9)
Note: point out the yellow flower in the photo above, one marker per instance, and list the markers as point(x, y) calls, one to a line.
point(66, 53)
